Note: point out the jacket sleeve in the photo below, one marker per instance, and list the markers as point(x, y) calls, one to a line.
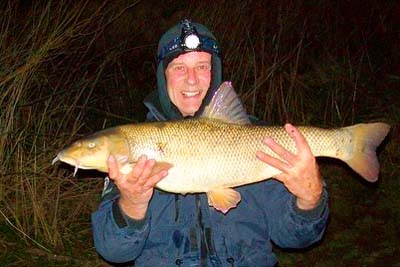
point(117, 237)
point(289, 226)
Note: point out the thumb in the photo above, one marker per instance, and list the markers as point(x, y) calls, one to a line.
point(282, 177)
point(112, 165)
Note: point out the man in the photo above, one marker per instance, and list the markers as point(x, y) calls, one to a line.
point(136, 222)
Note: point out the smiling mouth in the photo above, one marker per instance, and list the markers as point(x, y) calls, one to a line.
point(190, 93)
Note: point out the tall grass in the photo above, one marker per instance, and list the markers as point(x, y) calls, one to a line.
point(73, 67)
point(49, 73)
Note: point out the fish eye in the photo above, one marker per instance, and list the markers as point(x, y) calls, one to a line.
point(91, 145)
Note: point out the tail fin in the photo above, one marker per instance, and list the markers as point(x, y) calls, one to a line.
point(367, 138)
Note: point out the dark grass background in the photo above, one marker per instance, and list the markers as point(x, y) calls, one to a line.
point(69, 68)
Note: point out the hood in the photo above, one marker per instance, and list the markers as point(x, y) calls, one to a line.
point(171, 46)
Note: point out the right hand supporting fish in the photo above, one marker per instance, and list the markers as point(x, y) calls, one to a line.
point(300, 172)
point(136, 187)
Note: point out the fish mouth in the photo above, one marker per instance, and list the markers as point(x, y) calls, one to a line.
point(70, 161)
point(55, 160)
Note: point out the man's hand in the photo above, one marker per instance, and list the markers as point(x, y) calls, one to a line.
point(136, 187)
point(300, 173)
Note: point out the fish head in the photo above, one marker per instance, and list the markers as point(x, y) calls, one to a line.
point(93, 151)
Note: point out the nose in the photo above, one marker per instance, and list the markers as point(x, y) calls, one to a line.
point(191, 76)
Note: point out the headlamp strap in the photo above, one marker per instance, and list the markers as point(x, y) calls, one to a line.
point(189, 40)
point(186, 25)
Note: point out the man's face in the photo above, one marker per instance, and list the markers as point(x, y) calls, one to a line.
point(188, 79)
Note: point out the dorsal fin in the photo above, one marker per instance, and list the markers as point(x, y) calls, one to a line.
point(225, 105)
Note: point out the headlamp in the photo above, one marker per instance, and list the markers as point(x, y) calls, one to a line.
point(190, 40)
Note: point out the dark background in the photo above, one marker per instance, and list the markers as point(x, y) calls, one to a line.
point(69, 68)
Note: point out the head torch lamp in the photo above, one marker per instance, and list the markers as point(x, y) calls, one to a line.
point(189, 40)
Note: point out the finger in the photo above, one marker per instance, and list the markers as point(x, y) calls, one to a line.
point(153, 180)
point(301, 143)
point(139, 166)
point(279, 150)
point(148, 168)
point(112, 165)
point(272, 161)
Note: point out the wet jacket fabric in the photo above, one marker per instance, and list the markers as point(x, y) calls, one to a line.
point(183, 230)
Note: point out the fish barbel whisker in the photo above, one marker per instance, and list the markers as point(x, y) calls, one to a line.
point(76, 169)
point(75, 163)
point(55, 160)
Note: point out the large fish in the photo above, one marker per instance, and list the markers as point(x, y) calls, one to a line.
point(217, 151)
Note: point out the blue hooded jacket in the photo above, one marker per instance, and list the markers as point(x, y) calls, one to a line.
point(184, 231)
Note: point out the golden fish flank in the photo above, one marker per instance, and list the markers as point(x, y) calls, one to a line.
point(216, 152)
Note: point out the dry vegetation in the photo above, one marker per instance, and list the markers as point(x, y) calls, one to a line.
point(69, 68)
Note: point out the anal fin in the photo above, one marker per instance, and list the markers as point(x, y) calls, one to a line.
point(223, 199)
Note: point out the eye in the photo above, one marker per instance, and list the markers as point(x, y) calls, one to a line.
point(204, 67)
point(179, 68)
point(91, 145)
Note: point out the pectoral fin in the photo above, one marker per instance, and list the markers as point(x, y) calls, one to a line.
point(160, 166)
point(223, 199)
